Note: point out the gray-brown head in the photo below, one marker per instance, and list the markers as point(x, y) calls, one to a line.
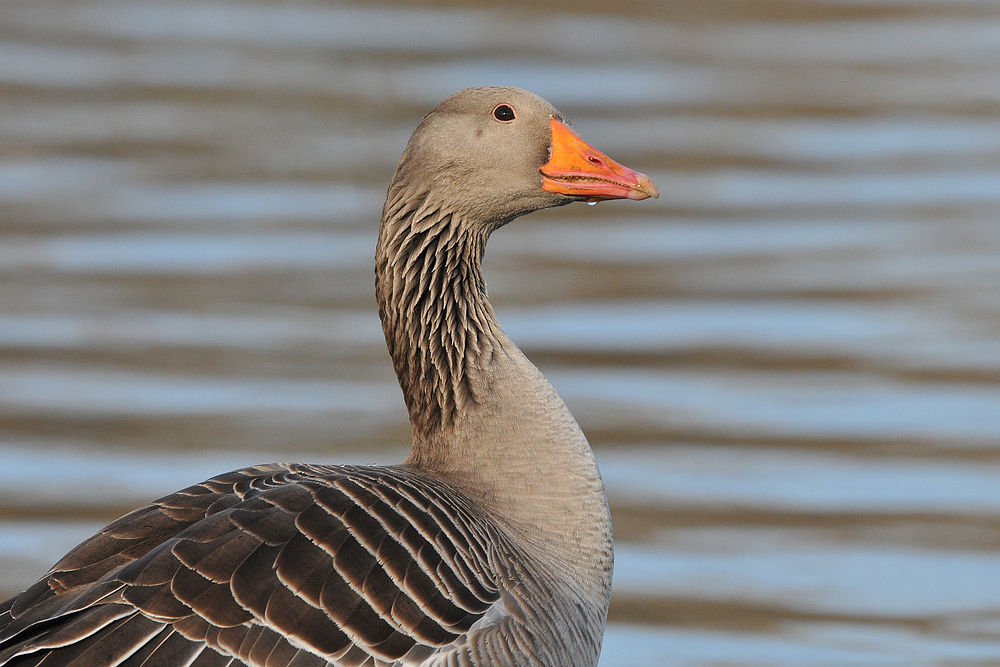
point(493, 153)
point(478, 160)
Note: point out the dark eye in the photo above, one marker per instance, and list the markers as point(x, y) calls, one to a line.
point(504, 112)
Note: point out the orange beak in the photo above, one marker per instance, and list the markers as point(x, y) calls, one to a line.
point(577, 168)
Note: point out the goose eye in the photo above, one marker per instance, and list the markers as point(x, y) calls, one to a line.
point(504, 112)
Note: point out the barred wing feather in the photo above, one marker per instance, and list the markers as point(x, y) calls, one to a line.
point(273, 565)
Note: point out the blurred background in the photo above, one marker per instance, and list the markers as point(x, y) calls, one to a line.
point(788, 365)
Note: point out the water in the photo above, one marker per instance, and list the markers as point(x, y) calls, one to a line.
point(788, 364)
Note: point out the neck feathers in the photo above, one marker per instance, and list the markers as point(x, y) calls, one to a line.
point(432, 300)
point(484, 418)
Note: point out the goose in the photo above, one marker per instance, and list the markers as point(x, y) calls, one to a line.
point(490, 545)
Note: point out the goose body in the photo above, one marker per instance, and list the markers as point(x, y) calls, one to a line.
point(489, 546)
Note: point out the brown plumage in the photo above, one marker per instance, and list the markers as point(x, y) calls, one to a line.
point(490, 545)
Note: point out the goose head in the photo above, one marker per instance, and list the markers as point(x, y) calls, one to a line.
point(491, 154)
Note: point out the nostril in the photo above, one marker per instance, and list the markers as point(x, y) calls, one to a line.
point(595, 160)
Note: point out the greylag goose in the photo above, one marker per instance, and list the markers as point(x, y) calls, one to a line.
point(489, 546)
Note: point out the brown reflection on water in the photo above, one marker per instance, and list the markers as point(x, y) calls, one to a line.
point(787, 364)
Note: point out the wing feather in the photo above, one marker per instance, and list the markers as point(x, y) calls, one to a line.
point(138, 658)
point(270, 566)
point(210, 658)
point(174, 650)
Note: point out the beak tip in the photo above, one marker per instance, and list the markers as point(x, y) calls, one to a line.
point(645, 188)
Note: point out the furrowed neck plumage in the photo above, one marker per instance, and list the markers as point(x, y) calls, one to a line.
point(484, 418)
point(432, 302)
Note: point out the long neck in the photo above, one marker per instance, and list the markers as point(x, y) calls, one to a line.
point(435, 316)
point(483, 416)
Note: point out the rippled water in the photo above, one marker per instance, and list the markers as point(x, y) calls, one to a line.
point(789, 364)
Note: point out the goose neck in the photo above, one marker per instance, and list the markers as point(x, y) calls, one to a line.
point(438, 325)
